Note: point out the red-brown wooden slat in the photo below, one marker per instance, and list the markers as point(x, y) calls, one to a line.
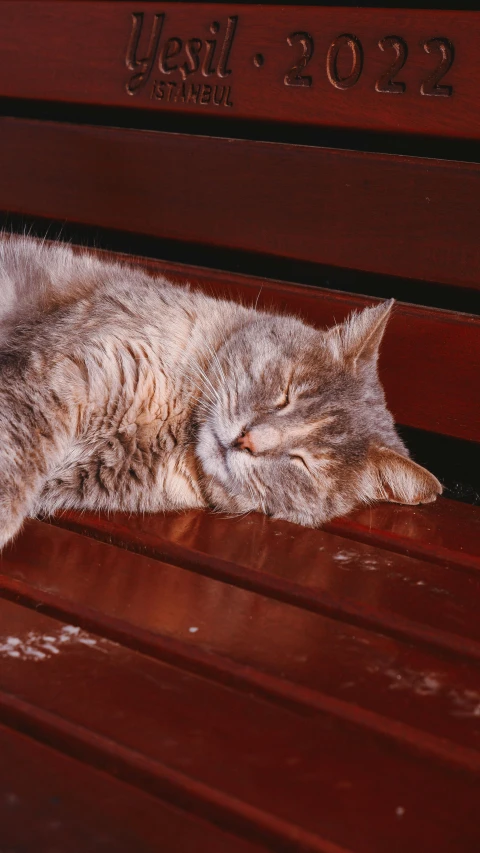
point(388, 214)
point(81, 49)
point(50, 802)
point(430, 359)
point(249, 765)
point(430, 604)
point(163, 781)
point(296, 658)
point(445, 532)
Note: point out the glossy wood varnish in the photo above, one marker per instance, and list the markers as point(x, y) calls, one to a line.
point(152, 604)
point(49, 801)
point(342, 208)
point(241, 641)
point(84, 50)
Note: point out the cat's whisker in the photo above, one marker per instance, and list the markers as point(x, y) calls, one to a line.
point(209, 383)
point(201, 375)
point(258, 297)
point(218, 364)
point(204, 388)
point(239, 514)
point(201, 390)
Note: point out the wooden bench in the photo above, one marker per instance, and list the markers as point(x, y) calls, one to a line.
point(193, 683)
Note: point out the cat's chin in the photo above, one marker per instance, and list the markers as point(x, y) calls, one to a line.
point(217, 459)
point(219, 494)
point(222, 469)
point(211, 454)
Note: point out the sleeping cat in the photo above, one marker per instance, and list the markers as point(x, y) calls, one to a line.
point(120, 391)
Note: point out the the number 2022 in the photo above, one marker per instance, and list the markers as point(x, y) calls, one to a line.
point(396, 46)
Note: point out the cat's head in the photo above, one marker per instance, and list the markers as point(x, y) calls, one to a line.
point(293, 422)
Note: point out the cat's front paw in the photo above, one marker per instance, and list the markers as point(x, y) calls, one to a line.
point(431, 490)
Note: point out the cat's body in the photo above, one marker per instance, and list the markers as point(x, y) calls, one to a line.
point(121, 391)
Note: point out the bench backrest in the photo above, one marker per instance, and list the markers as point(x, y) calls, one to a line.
point(224, 137)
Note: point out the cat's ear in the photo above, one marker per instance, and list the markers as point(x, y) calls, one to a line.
point(389, 476)
point(358, 339)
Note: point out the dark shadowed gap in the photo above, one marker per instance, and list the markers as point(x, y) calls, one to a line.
point(248, 263)
point(175, 122)
point(463, 6)
point(454, 461)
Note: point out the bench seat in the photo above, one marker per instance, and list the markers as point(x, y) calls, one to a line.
point(242, 675)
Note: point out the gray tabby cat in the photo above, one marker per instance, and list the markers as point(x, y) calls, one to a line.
point(119, 391)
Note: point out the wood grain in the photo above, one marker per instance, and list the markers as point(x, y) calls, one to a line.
point(81, 49)
point(372, 589)
point(395, 215)
point(152, 606)
point(49, 802)
point(446, 532)
point(248, 782)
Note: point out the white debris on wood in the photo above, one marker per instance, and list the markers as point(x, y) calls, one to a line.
point(38, 647)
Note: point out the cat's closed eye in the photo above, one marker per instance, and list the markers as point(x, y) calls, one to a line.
point(298, 459)
point(283, 401)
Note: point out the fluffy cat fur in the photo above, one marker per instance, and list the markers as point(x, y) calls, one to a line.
point(120, 391)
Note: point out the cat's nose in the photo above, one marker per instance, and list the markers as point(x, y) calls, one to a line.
point(244, 442)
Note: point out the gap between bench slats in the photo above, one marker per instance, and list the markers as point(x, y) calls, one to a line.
point(446, 532)
point(430, 605)
point(250, 766)
point(49, 802)
point(295, 658)
point(53, 38)
point(387, 214)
